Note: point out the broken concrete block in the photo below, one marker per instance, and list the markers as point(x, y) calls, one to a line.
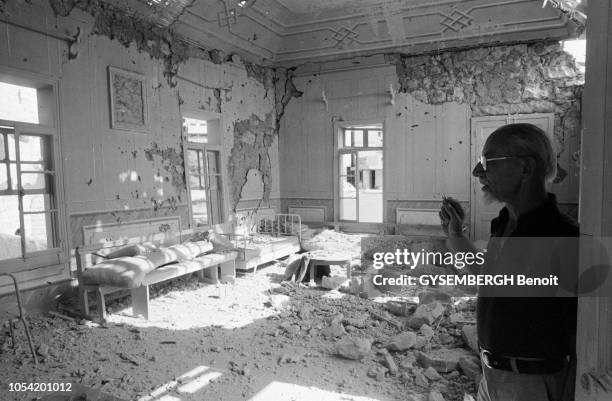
point(421, 342)
point(461, 318)
point(445, 338)
point(420, 380)
point(337, 330)
point(359, 322)
point(400, 308)
point(427, 331)
point(43, 350)
point(426, 314)
point(427, 297)
point(390, 362)
point(435, 395)
point(470, 366)
point(431, 374)
point(408, 361)
point(354, 348)
point(470, 336)
point(377, 373)
point(442, 360)
point(334, 282)
point(402, 342)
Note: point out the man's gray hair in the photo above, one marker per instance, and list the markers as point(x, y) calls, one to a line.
point(529, 140)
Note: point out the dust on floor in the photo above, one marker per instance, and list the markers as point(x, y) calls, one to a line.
point(252, 340)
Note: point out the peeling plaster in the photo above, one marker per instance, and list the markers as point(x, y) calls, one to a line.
point(252, 141)
point(264, 75)
point(159, 42)
point(504, 80)
point(172, 163)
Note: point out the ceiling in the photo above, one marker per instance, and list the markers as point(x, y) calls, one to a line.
point(295, 32)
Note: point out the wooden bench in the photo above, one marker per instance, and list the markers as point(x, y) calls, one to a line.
point(212, 267)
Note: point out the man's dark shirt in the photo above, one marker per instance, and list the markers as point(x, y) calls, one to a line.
point(529, 327)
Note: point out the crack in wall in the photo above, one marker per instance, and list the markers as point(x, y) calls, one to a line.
point(285, 90)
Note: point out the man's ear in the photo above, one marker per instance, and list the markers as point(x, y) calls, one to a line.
point(530, 166)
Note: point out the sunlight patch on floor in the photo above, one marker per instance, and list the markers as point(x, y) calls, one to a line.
point(188, 383)
point(198, 383)
point(228, 306)
point(295, 392)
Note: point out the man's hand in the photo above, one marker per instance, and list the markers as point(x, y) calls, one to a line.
point(451, 217)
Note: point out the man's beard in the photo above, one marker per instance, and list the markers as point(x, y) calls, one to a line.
point(489, 198)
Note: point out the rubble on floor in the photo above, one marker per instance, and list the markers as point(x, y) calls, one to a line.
point(330, 340)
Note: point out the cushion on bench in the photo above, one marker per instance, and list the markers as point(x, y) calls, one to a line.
point(129, 271)
point(130, 250)
point(124, 272)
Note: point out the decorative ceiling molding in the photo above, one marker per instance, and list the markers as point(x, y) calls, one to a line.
point(270, 33)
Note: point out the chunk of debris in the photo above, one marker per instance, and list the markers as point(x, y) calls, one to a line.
point(388, 319)
point(435, 395)
point(408, 361)
point(359, 322)
point(354, 348)
point(43, 350)
point(470, 336)
point(336, 330)
point(426, 314)
point(402, 342)
point(128, 358)
point(390, 362)
point(377, 373)
point(401, 308)
point(420, 380)
point(470, 366)
point(432, 374)
point(427, 331)
point(442, 360)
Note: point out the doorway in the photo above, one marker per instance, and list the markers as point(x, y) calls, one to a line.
point(360, 190)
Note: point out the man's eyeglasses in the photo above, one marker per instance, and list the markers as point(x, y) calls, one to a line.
point(484, 160)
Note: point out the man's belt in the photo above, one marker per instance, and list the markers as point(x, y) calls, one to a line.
point(523, 365)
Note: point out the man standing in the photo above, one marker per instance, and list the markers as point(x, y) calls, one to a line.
point(527, 344)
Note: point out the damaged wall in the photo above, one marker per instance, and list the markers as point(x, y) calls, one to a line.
point(116, 176)
point(427, 120)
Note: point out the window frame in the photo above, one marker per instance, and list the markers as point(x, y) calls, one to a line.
point(205, 147)
point(59, 254)
point(339, 135)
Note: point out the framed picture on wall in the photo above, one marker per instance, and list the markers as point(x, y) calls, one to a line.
point(128, 100)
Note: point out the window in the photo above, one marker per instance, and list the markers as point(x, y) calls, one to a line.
point(18, 103)
point(30, 234)
point(359, 137)
point(204, 172)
